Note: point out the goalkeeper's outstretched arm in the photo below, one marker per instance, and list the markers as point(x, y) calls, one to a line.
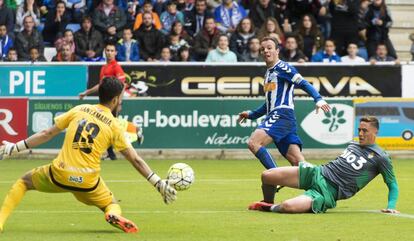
point(42, 136)
point(34, 140)
point(139, 164)
point(167, 192)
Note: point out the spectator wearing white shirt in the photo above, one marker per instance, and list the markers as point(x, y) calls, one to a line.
point(352, 56)
point(222, 53)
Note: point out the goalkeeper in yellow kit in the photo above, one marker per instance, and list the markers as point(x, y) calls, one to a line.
point(91, 129)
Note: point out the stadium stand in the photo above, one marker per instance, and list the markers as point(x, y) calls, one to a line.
point(401, 12)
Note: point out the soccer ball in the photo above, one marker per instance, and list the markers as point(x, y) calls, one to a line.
point(180, 176)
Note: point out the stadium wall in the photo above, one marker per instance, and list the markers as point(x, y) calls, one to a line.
point(205, 126)
point(205, 79)
point(204, 123)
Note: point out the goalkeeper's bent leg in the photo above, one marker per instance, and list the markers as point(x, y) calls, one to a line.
point(12, 199)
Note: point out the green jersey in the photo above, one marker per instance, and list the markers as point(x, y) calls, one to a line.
point(356, 167)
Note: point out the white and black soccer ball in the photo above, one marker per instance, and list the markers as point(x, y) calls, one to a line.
point(181, 176)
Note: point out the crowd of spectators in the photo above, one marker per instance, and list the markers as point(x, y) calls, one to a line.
point(348, 31)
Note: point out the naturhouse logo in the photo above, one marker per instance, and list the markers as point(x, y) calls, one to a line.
point(333, 128)
point(334, 119)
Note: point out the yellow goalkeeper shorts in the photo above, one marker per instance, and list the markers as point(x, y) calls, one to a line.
point(100, 196)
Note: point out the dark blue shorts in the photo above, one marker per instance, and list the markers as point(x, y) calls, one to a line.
point(280, 125)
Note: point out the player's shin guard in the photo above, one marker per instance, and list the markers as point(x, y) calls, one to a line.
point(12, 199)
point(265, 158)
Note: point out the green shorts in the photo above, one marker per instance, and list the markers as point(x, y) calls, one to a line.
point(322, 192)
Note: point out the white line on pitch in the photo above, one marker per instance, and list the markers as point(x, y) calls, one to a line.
point(198, 180)
point(399, 215)
point(221, 180)
point(139, 181)
point(134, 211)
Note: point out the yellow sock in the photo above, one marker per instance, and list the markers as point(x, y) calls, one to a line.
point(12, 199)
point(113, 209)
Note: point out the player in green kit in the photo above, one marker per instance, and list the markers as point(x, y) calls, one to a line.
point(339, 179)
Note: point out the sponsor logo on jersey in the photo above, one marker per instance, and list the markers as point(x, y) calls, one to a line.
point(76, 179)
point(371, 155)
point(269, 87)
point(357, 162)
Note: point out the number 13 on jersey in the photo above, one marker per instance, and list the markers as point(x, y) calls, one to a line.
point(85, 133)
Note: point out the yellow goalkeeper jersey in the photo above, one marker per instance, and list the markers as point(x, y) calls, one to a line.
point(90, 130)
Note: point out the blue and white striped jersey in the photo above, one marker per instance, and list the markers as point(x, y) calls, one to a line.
point(279, 83)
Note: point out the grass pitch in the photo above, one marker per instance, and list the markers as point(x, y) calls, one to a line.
point(214, 208)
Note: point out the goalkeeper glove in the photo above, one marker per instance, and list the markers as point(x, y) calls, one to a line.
point(9, 148)
point(168, 193)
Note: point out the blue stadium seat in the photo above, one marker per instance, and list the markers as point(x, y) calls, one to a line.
point(40, 27)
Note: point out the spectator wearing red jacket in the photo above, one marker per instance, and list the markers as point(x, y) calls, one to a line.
point(110, 69)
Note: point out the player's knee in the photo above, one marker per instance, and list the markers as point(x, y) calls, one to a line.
point(27, 180)
point(287, 207)
point(264, 177)
point(253, 145)
point(267, 176)
point(294, 157)
point(294, 161)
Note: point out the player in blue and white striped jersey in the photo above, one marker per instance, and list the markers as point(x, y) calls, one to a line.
point(279, 125)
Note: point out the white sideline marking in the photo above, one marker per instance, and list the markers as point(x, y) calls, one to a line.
point(198, 180)
point(135, 212)
point(399, 215)
point(222, 180)
point(404, 215)
point(141, 181)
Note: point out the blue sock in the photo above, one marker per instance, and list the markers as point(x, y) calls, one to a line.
point(265, 158)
